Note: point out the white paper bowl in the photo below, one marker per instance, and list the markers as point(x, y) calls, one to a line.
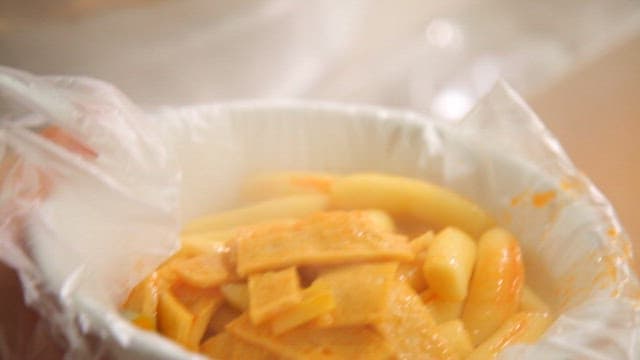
point(219, 145)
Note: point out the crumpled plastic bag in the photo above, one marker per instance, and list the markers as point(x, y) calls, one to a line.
point(105, 221)
point(81, 143)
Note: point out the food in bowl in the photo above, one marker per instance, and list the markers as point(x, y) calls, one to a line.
point(356, 266)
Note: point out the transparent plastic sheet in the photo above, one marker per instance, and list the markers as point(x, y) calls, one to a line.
point(80, 142)
point(500, 156)
point(434, 56)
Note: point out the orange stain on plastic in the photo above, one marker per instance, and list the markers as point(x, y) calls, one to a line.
point(611, 263)
point(505, 217)
point(67, 141)
point(517, 200)
point(615, 293)
point(611, 272)
point(538, 199)
point(543, 198)
point(569, 184)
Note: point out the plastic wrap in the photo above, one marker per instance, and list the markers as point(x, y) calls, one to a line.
point(434, 56)
point(79, 217)
point(106, 222)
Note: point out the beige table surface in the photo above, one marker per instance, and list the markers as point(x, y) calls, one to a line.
point(595, 112)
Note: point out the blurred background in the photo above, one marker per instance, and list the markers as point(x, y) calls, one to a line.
point(577, 63)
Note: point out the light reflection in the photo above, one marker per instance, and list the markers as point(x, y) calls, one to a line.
point(443, 33)
point(451, 104)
